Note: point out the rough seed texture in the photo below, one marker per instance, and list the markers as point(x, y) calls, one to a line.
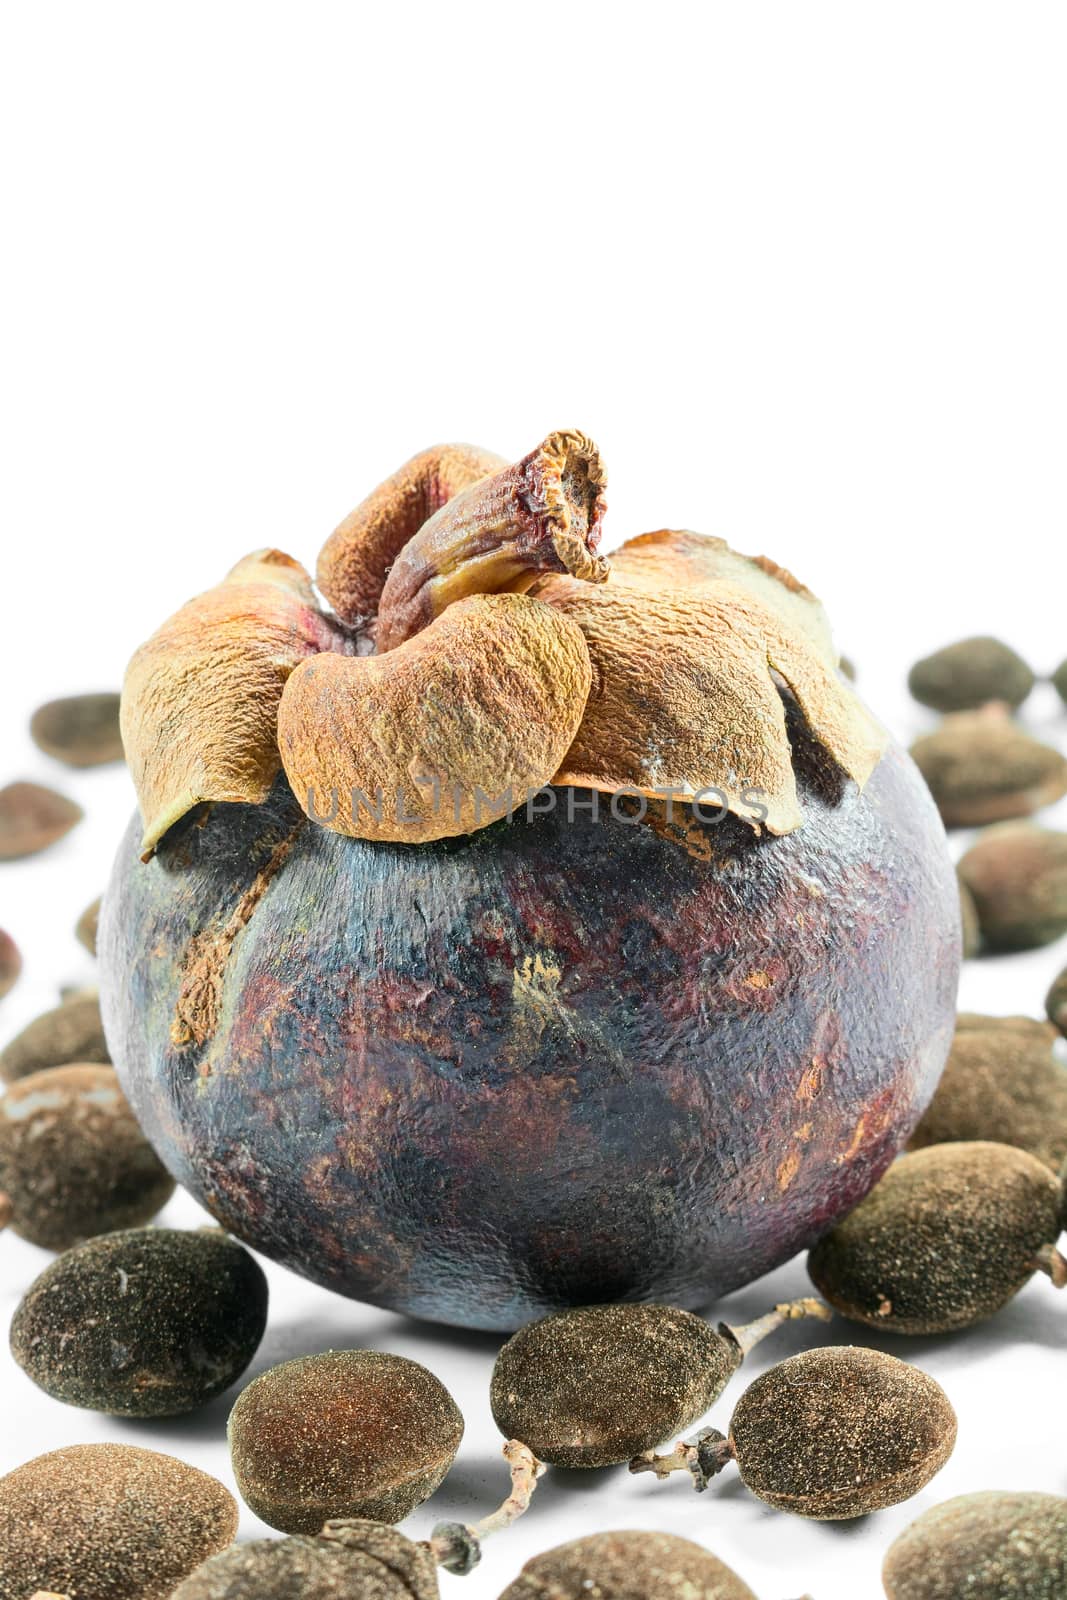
point(594, 1387)
point(70, 1032)
point(73, 1161)
point(969, 674)
point(1017, 874)
point(947, 1238)
point(982, 767)
point(82, 730)
point(627, 1566)
point(982, 1547)
point(152, 1322)
point(108, 1522)
point(1002, 1083)
point(351, 1560)
point(840, 1432)
point(352, 1433)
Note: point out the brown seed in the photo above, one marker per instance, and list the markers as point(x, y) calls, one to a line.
point(840, 1432)
point(352, 1433)
point(1003, 1084)
point(991, 1546)
point(71, 1032)
point(33, 817)
point(1017, 874)
point(1059, 678)
point(971, 933)
point(73, 1161)
point(348, 1560)
point(82, 730)
point(948, 1237)
point(596, 1386)
point(86, 928)
point(10, 963)
point(1056, 1002)
point(108, 1522)
point(981, 767)
point(968, 674)
point(627, 1565)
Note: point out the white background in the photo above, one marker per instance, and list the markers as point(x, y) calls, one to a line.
point(799, 270)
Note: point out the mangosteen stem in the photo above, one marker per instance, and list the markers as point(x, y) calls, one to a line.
point(457, 1546)
point(703, 1458)
point(1052, 1262)
point(749, 1334)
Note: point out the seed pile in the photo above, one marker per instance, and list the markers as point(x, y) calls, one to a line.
point(1017, 874)
point(982, 1547)
point(32, 818)
point(81, 730)
point(969, 674)
point(152, 1322)
point(73, 1160)
point(346, 1560)
point(71, 1032)
point(1002, 1083)
point(981, 767)
point(627, 1566)
point(829, 1434)
point(10, 963)
point(596, 1386)
point(108, 1521)
point(352, 1433)
point(948, 1237)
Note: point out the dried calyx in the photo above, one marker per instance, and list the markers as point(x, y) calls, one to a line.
point(507, 656)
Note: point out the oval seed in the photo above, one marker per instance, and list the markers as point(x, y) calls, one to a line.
point(970, 932)
point(968, 674)
point(1056, 1002)
point(595, 1386)
point(10, 963)
point(945, 1239)
point(71, 1032)
point(348, 1559)
point(1059, 678)
point(32, 818)
point(152, 1322)
point(87, 925)
point(82, 729)
point(109, 1521)
point(981, 767)
point(73, 1160)
point(1001, 1083)
point(990, 1546)
point(838, 1432)
point(627, 1565)
point(352, 1433)
point(1017, 874)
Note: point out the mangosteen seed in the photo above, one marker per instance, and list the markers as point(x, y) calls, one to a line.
point(944, 1240)
point(73, 1160)
point(1059, 678)
point(70, 1032)
point(32, 818)
point(1056, 1002)
point(109, 1521)
point(1002, 1084)
point(970, 673)
point(971, 933)
point(988, 1546)
point(829, 1434)
point(596, 1386)
point(86, 927)
point(351, 1433)
point(10, 963)
point(1017, 874)
point(81, 730)
point(151, 1322)
point(627, 1565)
point(981, 767)
point(345, 1560)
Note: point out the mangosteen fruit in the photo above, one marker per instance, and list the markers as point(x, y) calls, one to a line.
point(526, 929)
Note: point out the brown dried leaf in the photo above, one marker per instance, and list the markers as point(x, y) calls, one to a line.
point(200, 700)
point(358, 555)
point(482, 703)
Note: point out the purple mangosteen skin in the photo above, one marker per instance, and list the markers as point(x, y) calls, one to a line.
point(554, 1062)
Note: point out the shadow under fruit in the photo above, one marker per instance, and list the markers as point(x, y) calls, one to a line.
point(553, 1061)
